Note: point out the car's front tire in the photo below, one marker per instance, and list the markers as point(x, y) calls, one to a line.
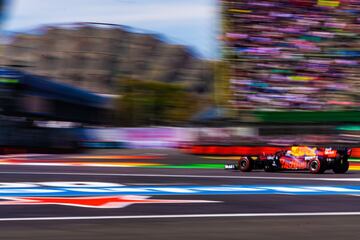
point(245, 164)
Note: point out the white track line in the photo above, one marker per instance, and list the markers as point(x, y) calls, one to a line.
point(306, 214)
point(183, 176)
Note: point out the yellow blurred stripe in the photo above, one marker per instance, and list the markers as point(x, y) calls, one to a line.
point(328, 3)
point(354, 168)
point(301, 78)
point(239, 10)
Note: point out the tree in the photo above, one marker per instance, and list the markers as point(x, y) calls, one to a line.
point(154, 103)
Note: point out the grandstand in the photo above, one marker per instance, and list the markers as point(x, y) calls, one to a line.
point(297, 55)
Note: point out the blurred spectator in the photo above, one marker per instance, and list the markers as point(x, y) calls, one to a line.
point(293, 55)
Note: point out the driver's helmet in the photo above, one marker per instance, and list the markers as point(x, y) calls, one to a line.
point(299, 151)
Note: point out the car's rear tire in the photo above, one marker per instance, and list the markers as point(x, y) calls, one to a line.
point(341, 166)
point(317, 166)
point(246, 164)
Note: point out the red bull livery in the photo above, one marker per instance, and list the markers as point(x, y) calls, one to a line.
point(316, 160)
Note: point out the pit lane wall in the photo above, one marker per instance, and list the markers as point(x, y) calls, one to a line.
point(223, 141)
point(163, 137)
point(244, 150)
point(151, 137)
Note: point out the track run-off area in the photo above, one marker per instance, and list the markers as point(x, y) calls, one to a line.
point(167, 192)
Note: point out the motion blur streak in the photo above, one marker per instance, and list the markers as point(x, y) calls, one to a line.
point(102, 120)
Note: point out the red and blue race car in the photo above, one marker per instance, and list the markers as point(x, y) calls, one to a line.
point(316, 160)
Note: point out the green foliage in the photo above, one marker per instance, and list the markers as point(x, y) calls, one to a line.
point(154, 103)
point(221, 83)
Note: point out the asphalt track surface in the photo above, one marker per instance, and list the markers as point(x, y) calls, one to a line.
point(293, 206)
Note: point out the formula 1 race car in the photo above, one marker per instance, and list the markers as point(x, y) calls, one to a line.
point(316, 160)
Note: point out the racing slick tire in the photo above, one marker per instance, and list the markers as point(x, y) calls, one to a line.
point(341, 166)
point(317, 166)
point(245, 164)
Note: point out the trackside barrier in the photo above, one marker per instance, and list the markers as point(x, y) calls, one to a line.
point(244, 150)
point(355, 152)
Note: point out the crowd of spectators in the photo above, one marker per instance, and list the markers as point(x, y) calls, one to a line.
point(293, 54)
